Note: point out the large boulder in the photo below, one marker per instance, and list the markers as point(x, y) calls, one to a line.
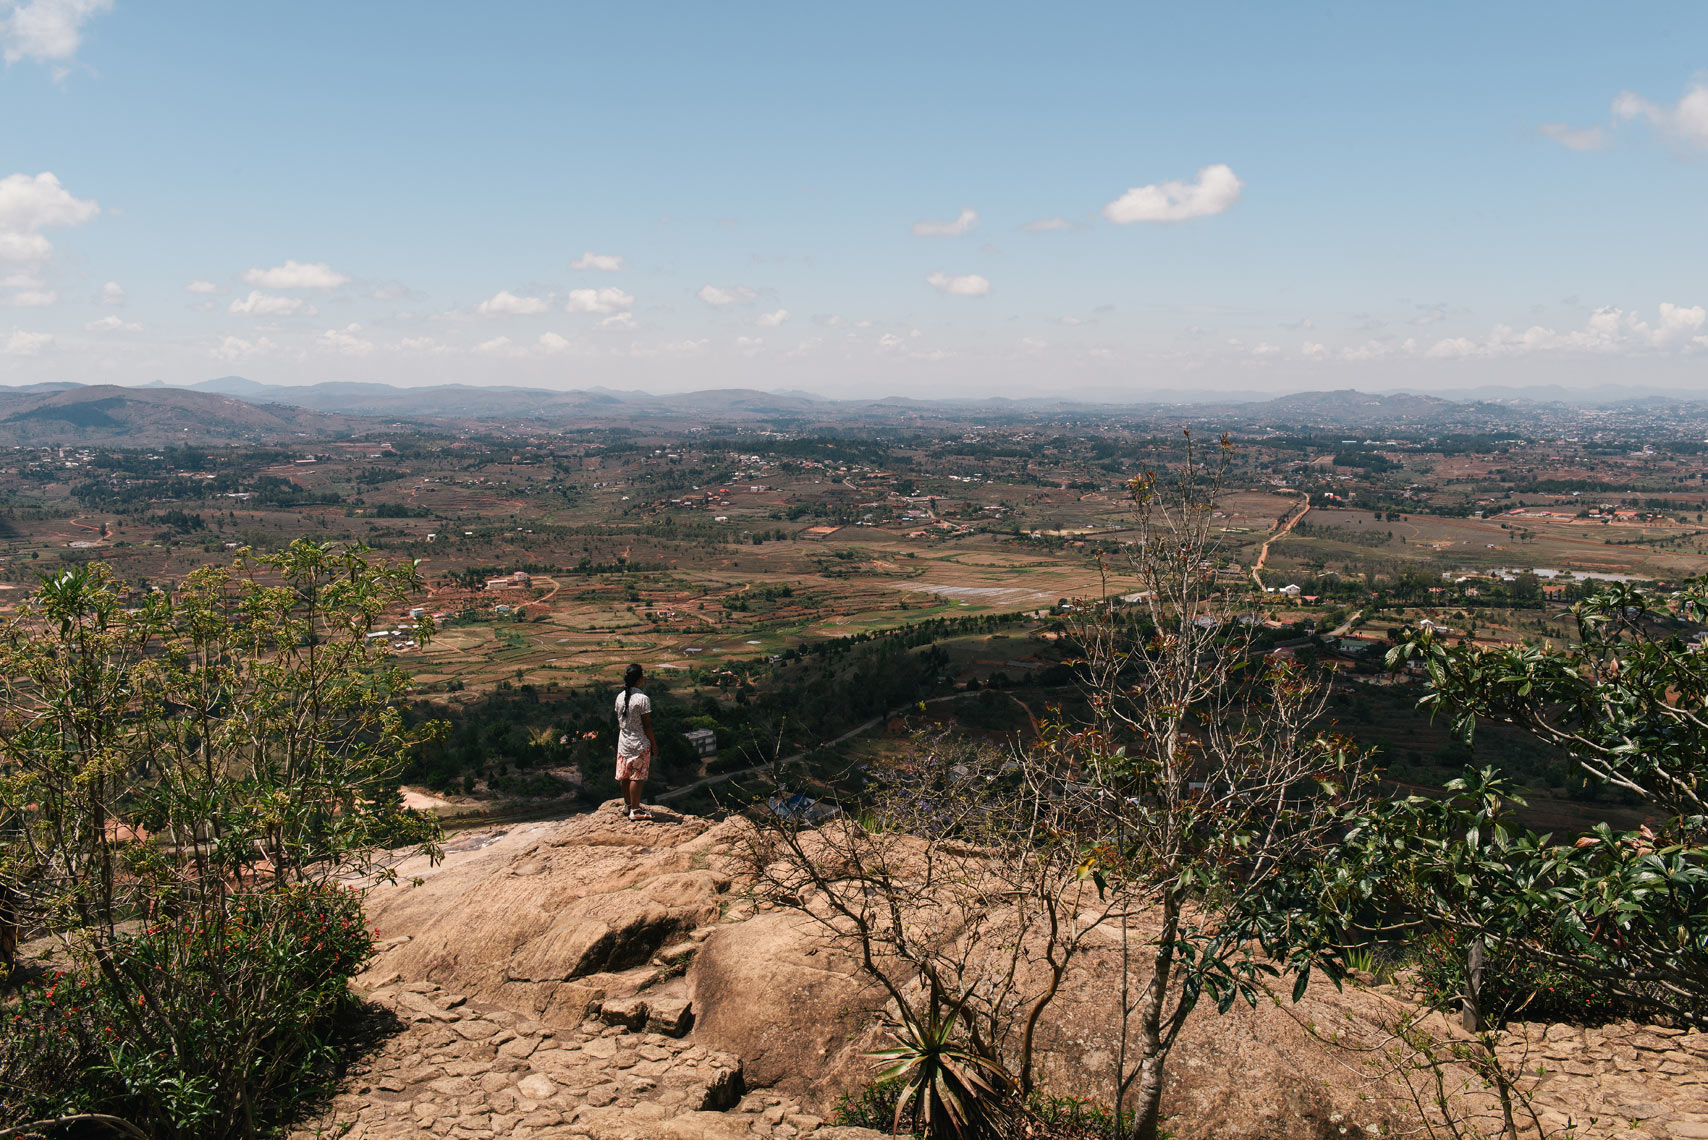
point(521, 918)
point(770, 990)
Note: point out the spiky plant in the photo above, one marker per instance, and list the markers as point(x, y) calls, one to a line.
point(949, 1089)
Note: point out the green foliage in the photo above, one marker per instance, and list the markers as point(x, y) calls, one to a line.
point(946, 1089)
point(1515, 984)
point(200, 1024)
point(184, 780)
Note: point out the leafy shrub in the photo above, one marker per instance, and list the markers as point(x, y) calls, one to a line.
point(1515, 985)
point(195, 1029)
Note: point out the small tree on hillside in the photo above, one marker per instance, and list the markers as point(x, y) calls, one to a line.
point(1215, 775)
point(959, 889)
point(185, 781)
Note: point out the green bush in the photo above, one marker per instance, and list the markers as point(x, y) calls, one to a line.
point(1515, 985)
point(195, 1030)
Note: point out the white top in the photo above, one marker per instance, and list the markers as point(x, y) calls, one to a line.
point(631, 729)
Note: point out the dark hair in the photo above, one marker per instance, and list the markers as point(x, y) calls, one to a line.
point(631, 678)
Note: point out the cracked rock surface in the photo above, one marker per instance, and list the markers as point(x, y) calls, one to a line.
point(593, 977)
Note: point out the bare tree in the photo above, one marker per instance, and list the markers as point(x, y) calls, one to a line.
point(1214, 775)
point(958, 886)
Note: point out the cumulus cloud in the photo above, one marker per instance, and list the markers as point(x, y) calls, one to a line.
point(22, 343)
point(607, 262)
point(1684, 122)
point(497, 346)
point(772, 320)
point(112, 323)
point(552, 342)
point(610, 299)
point(347, 340)
point(296, 275)
point(1575, 138)
point(749, 345)
point(1216, 190)
point(617, 322)
point(201, 287)
point(1046, 225)
point(30, 204)
point(259, 304)
point(35, 298)
point(1609, 330)
point(46, 30)
point(236, 348)
point(112, 293)
point(719, 296)
point(1311, 350)
point(967, 219)
point(508, 304)
point(970, 285)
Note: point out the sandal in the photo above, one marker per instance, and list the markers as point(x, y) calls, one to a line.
point(640, 815)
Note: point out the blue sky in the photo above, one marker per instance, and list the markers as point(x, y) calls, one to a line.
point(1086, 200)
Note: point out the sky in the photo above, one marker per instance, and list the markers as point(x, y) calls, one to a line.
point(1077, 200)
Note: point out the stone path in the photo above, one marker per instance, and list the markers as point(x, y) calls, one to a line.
point(1623, 1081)
point(473, 1071)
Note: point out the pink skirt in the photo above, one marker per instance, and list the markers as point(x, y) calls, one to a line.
point(634, 767)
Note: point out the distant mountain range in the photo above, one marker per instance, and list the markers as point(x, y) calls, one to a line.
point(233, 409)
point(46, 414)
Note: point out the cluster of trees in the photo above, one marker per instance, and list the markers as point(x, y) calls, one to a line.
point(187, 781)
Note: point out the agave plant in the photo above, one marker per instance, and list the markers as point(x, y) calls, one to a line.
point(949, 1089)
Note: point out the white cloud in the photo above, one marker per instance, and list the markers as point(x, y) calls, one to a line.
point(1575, 138)
point(507, 303)
point(1045, 225)
point(718, 297)
point(1677, 322)
point(35, 298)
point(617, 322)
point(499, 346)
point(749, 345)
point(259, 304)
point(47, 30)
point(1609, 330)
point(112, 293)
point(347, 340)
point(610, 299)
point(1264, 348)
point(111, 323)
point(422, 344)
point(1070, 321)
point(1033, 344)
point(608, 262)
point(772, 320)
point(967, 219)
point(1683, 122)
point(1216, 190)
point(201, 287)
point(30, 204)
point(971, 285)
point(1311, 350)
point(296, 275)
point(552, 342)
point(22, 343)
point(236, 348)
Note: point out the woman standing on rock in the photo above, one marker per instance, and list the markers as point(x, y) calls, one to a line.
point(636, 745)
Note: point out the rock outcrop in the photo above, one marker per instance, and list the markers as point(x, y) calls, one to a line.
point(593, 977)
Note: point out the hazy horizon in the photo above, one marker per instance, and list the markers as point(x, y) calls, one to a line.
point(1114, 203)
